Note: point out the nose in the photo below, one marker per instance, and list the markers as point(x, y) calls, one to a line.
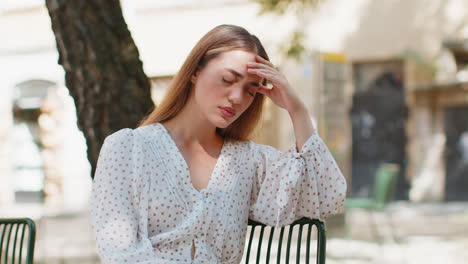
point(236, 94)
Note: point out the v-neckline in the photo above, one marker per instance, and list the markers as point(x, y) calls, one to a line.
point(184, 163)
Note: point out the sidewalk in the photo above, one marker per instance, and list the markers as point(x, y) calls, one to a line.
point(407, 234)
point(63, 236)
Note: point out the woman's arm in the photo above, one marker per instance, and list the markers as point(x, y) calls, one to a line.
point(303, 181)
point(303, 127)
point(119, 202)
point(294, 184)
point(285, 97)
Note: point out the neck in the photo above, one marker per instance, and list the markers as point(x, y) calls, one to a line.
point(191, 128)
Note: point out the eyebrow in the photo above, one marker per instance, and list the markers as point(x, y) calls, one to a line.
point(238, 74)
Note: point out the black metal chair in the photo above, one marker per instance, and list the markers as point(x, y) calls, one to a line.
point(298, 225)
point(14, 231)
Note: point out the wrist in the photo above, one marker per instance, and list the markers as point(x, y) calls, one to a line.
point(299, 109)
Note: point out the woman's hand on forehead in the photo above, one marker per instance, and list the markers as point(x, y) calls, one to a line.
point(281, 92)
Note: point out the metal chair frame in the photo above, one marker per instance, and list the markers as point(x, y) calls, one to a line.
point(13, 231)
point(321, 241)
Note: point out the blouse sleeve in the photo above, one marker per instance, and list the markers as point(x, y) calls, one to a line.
point(118, 204)
point(294, 184)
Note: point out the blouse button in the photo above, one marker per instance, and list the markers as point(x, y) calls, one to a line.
point(297, 155)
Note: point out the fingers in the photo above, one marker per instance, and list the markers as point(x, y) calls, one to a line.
point(262, 60)
point(264, 90)
point(263, 68)
point(265, 73)
point(261, 63)
point(255, 65)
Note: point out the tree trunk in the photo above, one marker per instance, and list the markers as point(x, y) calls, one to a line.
point(103, 71)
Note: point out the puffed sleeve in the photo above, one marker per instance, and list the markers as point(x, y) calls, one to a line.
point(293, 184)
point(119, 201)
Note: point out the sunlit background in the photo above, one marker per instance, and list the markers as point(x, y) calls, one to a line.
point(386, 83)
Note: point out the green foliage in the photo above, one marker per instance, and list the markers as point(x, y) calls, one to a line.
point(280, 6)
point(293, 47)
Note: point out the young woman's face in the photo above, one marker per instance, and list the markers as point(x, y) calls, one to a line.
point(224, 89)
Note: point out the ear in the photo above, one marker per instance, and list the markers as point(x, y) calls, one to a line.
point(195, 76)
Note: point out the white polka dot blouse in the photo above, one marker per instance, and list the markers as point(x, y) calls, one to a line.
point(144, 208)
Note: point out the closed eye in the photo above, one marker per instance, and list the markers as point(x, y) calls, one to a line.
point(226, 81)
point(231, 82)
point(251, 93)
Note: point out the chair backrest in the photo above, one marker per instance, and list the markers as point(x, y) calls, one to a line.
point(14, 231)
point(385, 183)
point(278, 242)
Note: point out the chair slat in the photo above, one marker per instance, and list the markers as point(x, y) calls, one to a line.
point(1, 240)
point(309, 232)
point(288, 247)
point(5, 259)
point(321, 243)
point(14, 243)
point(259, 249)
point(280, 242)
point(270, 242)
point(252, 231)
point(21, 243)
point(299, 238)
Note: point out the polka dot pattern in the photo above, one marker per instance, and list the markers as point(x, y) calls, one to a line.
point(144, 208)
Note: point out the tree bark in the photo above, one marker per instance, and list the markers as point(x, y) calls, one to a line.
point(103, 71)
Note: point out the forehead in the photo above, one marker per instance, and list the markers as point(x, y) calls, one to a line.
point(237, 56)
point(236, 60)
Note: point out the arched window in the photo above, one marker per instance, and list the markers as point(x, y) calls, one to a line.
point(27, 159)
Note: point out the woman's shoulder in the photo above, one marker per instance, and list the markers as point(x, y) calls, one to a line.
point(149, 131)
point(139, 133)
point(120, 135)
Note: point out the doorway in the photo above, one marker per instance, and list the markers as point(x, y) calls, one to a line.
point(456, 153)
point(378, 116)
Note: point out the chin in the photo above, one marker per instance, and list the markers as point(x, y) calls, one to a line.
point(223, 123)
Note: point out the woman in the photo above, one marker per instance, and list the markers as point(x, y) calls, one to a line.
point(181, 187)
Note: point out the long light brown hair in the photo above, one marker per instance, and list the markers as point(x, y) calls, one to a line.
point(220, 39)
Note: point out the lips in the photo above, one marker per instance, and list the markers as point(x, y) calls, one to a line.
point(228, 111)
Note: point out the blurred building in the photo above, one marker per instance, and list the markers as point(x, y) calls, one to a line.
point(362, 78)
point(440, 111)
point(42, 152)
